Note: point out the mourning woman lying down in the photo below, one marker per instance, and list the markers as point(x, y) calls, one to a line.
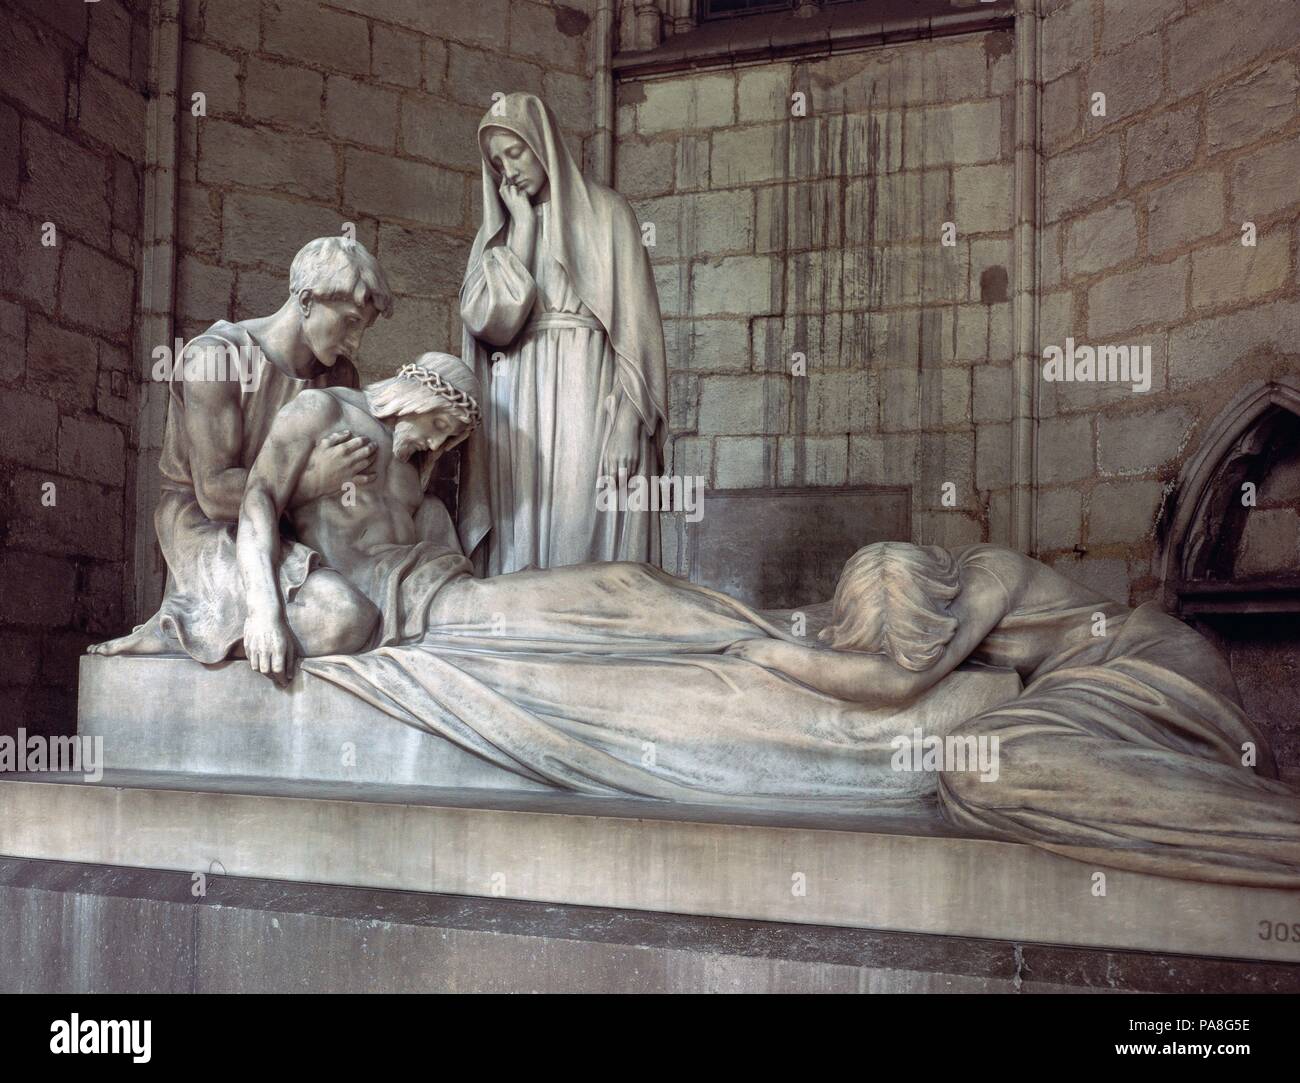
point(1126, 747)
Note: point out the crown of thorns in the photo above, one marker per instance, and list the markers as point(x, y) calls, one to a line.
point(441, 386)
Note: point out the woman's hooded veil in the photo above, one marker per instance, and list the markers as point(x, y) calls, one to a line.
point(593, 234)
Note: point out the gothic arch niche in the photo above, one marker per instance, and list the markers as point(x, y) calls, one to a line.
point(1232, 552)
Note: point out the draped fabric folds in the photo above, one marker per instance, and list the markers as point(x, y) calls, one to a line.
point(1124, 750)
point(1128, 749)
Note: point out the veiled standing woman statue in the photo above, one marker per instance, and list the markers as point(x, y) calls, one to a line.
point(563, 329)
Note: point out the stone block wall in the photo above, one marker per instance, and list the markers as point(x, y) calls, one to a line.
point(313, 114)
point(72, 110)
point(778, 235)
point(1143, 216)
point(361, 111)
point(819, 332)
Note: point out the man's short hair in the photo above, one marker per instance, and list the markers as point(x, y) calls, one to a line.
point(336, 269)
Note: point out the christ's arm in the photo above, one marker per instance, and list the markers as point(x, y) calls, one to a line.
point(271, 483)
point(214, 428)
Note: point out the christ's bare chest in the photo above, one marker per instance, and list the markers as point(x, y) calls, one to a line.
point(395, 482)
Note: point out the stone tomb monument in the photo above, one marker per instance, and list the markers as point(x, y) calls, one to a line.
point(478, 753)
point(963, 743)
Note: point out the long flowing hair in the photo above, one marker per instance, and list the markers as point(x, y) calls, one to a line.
point(892, 598)
point(433, 381)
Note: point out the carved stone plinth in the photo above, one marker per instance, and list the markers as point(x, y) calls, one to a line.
point(903, 872)
point(165, 713)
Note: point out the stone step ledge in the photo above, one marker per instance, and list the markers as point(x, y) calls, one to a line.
point(632, 854)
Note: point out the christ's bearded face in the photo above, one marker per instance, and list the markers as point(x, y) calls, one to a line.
point(435, 431)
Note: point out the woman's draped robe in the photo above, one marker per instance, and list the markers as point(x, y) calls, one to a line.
point(528, 473)
point(549, 398)
point(610, 679)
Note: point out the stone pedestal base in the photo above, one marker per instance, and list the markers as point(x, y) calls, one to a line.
point(99, 929)
point(897, 872)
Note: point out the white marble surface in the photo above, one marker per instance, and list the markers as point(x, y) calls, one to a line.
point(171, 714)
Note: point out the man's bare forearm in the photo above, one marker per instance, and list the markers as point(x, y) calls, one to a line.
point(221, 495)
point(271, 482)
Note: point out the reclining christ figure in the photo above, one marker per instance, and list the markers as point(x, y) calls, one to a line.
point(1127, 747)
